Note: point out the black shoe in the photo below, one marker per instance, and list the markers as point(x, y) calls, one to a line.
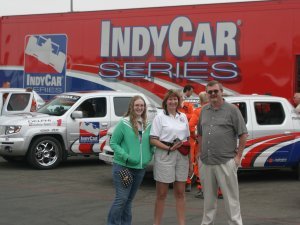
point(188, 187)
point(220, 196)
point(199, 195)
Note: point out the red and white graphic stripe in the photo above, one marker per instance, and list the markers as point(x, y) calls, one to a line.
point(258, 150)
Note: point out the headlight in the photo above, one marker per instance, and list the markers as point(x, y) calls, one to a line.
point(12, 129)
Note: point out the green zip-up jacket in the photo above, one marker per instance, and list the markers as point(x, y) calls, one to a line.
point(129, 151)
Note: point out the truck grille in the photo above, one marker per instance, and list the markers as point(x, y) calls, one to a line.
point(2, 130)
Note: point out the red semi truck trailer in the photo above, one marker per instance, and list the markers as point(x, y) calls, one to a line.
point(250, 47)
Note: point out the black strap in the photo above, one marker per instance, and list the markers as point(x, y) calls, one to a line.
point(167, 143)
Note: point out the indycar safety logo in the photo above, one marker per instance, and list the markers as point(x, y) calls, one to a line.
point(45, 63)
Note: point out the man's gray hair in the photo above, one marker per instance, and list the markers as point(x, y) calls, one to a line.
point(214, 82)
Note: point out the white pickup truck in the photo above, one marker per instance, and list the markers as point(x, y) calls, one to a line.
point(274, 133)
point(70, 124)
point(18, 100)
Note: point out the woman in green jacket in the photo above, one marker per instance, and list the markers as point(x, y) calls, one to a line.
point(132, 153)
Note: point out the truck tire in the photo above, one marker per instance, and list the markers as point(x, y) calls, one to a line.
point(45, 153)
point(298, 171)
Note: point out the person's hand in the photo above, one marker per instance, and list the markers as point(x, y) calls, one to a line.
point(133, 161)
point(237, 160)
point(176, 145)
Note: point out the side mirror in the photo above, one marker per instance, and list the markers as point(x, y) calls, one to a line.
point(77, 115)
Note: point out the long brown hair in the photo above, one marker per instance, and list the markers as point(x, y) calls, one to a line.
point(132, 116)
point(169, 94)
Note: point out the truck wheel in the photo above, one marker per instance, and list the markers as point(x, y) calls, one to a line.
point(45, 153)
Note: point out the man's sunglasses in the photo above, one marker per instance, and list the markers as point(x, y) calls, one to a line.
point(213, 91)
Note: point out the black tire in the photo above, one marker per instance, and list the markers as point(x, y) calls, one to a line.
point(298, 171)
point(45, 153)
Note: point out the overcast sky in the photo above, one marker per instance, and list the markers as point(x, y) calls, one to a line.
point(20, 7)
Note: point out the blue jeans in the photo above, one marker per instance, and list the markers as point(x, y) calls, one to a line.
point(120, 211)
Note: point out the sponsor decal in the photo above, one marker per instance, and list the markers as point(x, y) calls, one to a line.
point(40, 122)
point(72, 97)
point(45, 63)
point(59, 122)
point(270, 160)
point(181, 120)
point(89, 132)
point(44, 130)
point(78, 147)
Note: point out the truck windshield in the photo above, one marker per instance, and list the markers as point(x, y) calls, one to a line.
point(59, 105)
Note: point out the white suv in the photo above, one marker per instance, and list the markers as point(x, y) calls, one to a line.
point(273, 133)
point(71, 124)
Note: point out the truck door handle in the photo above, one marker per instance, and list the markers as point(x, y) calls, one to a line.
point(104, 124)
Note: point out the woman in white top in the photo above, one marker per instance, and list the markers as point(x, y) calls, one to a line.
point(169, 130)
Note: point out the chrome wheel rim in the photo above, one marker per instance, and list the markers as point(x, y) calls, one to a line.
point(46, 153)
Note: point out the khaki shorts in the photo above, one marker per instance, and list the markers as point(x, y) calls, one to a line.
point(170, 168)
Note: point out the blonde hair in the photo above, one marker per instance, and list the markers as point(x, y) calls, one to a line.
point(203, 97)
point(133, 117)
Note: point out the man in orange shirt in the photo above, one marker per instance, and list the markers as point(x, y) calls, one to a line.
point(193, 140)
point(187, 108)
point(188, 91)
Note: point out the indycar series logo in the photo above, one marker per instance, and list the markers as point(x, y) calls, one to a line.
point(91, 138)
point(183, 38)
point(89, 132)
point(45, 63)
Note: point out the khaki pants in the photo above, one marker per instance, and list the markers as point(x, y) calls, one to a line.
point(225, 177)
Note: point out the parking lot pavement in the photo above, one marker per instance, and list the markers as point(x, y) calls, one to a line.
point(80, 192)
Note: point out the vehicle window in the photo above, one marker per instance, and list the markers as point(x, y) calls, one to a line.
point(18, 101)
point(243, 108)
point(269, 113)
point(121, 105)
point(59, 105)
point(94, 107)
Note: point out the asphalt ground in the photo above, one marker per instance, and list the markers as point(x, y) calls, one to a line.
point(81, 191)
